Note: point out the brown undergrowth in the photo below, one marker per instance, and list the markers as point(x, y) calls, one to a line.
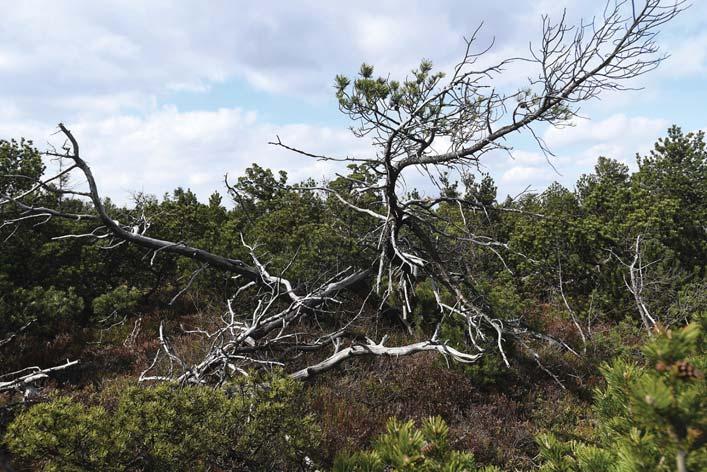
point(492, 411)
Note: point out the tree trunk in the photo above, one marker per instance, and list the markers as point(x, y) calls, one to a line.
point(681, 463)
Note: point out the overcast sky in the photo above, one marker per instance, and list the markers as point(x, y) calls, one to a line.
point(165, 94)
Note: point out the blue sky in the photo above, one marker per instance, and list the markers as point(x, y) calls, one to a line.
point(166, 94)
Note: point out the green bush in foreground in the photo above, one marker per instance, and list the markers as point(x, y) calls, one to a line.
point(404, 448)
point(258, 423)
point(649, 418)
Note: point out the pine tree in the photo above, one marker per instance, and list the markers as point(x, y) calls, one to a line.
point(651, 417)
point(404, 448)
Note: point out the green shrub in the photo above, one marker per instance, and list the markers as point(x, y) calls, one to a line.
point(44, 304)
point(404, 448)
point(121, 300)
point(258, 423)
point(649, 418)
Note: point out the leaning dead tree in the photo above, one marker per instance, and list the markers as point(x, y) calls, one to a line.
point(426, 123)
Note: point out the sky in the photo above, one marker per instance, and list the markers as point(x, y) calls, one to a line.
point(176, 94)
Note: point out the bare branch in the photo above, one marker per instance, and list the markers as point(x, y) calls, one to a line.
point(372, 349)
point(26, 377)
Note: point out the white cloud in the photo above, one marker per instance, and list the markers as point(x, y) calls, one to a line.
point(615, 127)
point(688, 57)
point(528, 157)
point(115, 45)
point(10, 60)
point(103, 104)
point(167, 148)
point(109, 69)
point(283, 47)
point(526, 174)
point(576, 151)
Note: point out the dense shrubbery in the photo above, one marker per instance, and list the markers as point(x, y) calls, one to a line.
point(253, 423)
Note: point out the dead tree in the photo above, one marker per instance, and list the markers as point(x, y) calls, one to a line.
point(636, 282)
point(428, 122)
point(424, 123)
